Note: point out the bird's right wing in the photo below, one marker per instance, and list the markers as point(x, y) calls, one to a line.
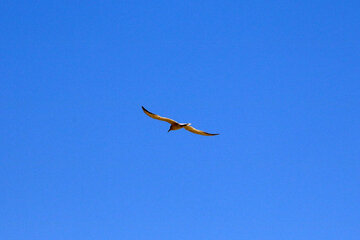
point(194, 130)
point(154, 116)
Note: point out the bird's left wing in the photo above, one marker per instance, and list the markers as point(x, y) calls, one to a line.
point(194, 130)
point(152, 115)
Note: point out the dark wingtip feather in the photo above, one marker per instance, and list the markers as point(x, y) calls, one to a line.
point(144, 109)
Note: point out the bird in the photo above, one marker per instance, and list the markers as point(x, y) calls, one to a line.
point(174, 125)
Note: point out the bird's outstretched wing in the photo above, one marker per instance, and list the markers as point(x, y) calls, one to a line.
point(154, 116)
point(194, 130)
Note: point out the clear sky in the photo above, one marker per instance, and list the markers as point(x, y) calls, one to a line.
point(278, 79)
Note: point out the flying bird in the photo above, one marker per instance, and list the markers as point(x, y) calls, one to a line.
point(175, 125)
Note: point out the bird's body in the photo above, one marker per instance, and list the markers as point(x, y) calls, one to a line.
point(176, 126)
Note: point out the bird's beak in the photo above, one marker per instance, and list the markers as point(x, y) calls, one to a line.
point(169, 130)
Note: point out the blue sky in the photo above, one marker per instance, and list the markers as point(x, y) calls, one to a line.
point(278, 79)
